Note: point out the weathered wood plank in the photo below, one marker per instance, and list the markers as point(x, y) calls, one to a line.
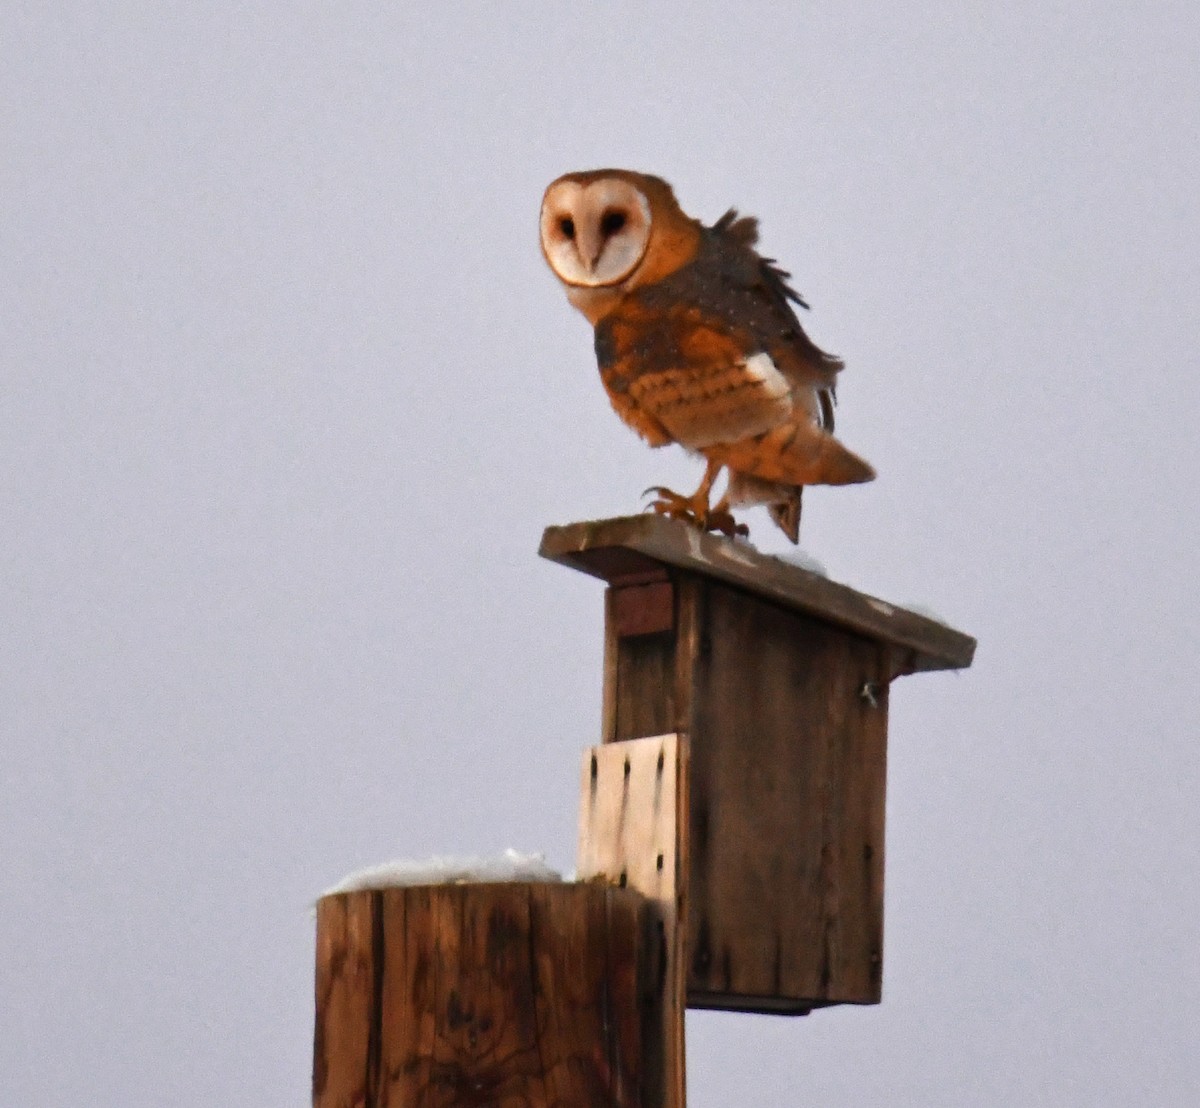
point(508, 995)
point(786, 809)
point(632, 828)
point(634, 547)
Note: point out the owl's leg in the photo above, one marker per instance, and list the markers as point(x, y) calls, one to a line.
point(695, 509)
point(692, 509)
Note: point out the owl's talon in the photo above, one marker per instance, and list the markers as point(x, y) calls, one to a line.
point(695, 511)
point(674, 506)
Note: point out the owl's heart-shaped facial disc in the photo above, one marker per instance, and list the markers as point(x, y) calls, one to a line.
point(594, 234)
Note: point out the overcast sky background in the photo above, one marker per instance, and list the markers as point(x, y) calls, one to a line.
point(288, 395)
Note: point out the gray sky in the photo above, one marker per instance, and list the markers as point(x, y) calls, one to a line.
point(288, 394)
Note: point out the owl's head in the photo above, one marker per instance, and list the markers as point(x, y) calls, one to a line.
point(598, 227)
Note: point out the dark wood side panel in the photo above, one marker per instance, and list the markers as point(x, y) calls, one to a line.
point(645, 676)
point(788, 727)
point(639, 661)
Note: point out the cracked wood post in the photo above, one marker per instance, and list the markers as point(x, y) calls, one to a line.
point(632, 832)
point(529, 994)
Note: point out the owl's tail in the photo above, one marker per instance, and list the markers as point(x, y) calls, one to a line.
point(786, 514)
point(782, 501)
point(794, 453)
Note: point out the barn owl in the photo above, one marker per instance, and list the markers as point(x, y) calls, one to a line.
point(698, 344)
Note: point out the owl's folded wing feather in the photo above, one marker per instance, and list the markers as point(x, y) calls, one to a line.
point(736, 284)
point(699, 384)
point(702, 403)
point(675, 378)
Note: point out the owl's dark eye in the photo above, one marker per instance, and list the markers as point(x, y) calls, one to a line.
point(567, 226)
point(611, 223)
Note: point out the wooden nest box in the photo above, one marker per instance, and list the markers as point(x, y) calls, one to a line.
point(778, 680)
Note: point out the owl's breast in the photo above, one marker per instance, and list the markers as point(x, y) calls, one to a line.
point(632, 344)
point(640, 339)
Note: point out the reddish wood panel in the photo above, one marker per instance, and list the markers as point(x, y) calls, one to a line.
point(643, 609)
point(345, 991)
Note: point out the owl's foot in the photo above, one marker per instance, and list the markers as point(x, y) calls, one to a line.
point(691, 509)
point(695, 510)
point(723, 521)
point(720, 518)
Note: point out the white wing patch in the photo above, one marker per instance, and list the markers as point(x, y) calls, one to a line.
point(762, 368)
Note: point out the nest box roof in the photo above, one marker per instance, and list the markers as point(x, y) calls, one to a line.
point(629, 548)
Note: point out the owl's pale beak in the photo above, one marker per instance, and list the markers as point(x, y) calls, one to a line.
point(590, 243)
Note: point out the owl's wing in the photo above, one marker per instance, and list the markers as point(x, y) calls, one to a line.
point(713, 357)
point(751, 291)
point(688, 376)
point(714, 352)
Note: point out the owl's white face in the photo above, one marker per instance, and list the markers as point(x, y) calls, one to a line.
point(595, 234)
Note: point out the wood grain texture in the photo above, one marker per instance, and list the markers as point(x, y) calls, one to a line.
point(632, 829)
point(615, 549)
point(509, 995)
point(788, 724)
point(787, 719)
point(346, 997)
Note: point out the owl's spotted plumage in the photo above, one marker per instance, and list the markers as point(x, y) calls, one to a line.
point(698, 342)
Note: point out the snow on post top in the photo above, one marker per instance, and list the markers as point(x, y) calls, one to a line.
point(512, 865)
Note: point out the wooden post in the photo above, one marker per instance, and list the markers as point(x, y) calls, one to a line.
point(535, 995)
point(731, 828)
